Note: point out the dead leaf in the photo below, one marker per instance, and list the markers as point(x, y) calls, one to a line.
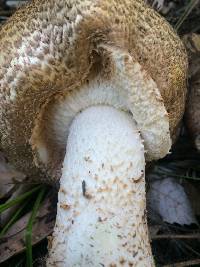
point(192, 114)
point(13, 242)
point(194, 196)
point(167, 198)
point(8, 177)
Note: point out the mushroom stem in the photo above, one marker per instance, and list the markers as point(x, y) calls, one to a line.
point(101, 213)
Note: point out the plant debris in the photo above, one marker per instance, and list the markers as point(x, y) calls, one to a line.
point(13, 242)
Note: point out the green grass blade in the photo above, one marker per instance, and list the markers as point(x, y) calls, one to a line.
point(188, 10)
point(28, 234)
point(19, 199)
point(12, 220)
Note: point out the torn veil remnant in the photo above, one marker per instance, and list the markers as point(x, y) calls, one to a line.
point(86, 88)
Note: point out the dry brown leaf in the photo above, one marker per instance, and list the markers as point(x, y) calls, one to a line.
point(192, 114)
point(8, 177)
point(192, 191)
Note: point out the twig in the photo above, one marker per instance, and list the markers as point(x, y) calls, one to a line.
point(191, 236)
point(184, 263)
point(188, 10)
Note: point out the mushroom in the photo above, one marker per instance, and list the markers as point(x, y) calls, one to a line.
point(88, 88)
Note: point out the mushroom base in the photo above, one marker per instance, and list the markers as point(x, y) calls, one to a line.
point(101, 216)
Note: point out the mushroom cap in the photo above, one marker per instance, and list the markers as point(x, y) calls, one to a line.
point(50, 48)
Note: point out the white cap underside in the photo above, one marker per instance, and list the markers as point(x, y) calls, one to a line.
point(129, 89)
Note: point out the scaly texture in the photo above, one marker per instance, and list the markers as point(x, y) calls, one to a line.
point(101, 211)
point(49, 48)
point(128, 88)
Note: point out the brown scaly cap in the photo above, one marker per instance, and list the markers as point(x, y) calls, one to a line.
point(48, 48)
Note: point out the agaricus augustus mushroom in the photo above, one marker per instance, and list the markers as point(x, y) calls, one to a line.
point(83, 85)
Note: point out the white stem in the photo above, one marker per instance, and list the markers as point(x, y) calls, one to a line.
point(101, 217)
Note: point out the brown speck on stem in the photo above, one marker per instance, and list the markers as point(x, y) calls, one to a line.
point(64, 206)
point(125, 186)
point(88, 196)
point(122, 261)
point(62, 190)
point(138, 179)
